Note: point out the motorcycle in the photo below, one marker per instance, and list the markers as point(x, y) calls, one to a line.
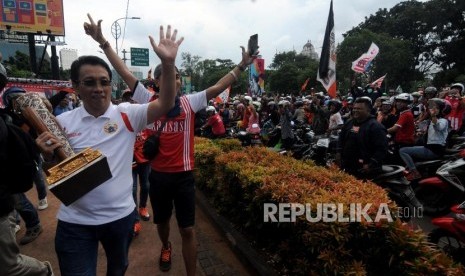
point(392, 179)
point(450, 234)
point(322, 150)
point(445, 189)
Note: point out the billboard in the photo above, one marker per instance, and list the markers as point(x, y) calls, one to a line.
point(32, 16)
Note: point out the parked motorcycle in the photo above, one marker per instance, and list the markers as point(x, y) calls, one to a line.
point(393, 180)
point(445, 189)
point(450, 234)
point(322, 150)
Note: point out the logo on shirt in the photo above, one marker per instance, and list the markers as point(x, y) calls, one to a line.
point(110, 127)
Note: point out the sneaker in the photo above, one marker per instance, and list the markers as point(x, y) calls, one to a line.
point(43, 204)
point(165, 258)
point(144, 213)
point(17, 228)
point(413, 175)
point(31, 234)
point(137, 228)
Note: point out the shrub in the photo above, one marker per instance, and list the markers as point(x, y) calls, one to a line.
point(241, 182)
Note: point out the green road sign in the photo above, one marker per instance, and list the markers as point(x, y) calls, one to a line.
point(139, 57)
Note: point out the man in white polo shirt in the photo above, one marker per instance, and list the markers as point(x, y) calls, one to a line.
point(107, 213)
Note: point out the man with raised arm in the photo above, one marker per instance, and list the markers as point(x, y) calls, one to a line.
point(107, 213)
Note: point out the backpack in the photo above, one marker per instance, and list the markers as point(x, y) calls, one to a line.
point(19, 157)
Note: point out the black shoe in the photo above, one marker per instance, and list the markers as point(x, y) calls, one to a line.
point(31, 234)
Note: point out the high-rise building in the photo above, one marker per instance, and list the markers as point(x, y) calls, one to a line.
point(67, 56)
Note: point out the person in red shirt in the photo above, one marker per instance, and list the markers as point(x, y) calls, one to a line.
point(214, 126)
point(404, 129)
point(457, 105)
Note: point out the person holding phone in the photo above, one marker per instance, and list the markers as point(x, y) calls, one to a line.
point(435, 146)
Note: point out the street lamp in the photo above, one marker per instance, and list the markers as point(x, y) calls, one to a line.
point(116, 29)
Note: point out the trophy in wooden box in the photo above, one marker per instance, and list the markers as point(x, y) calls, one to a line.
point(76, 174)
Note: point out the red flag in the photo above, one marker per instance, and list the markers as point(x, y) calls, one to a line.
point(304, 85)
point(377, 83)
point(327, 68)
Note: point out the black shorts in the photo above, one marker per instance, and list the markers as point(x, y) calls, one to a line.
point(169, 188)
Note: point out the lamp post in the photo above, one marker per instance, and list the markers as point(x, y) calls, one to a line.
point(116, 30)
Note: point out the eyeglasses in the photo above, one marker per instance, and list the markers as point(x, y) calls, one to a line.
point(94, 83)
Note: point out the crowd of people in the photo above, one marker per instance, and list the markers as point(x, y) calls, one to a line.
point(419, 124)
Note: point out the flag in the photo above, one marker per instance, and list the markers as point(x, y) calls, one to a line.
point(377, 83)
point(224, 96)
point(304, 85)
point(327, 68)
point(362, 64)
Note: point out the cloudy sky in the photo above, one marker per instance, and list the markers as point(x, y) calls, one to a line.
point(216, 28)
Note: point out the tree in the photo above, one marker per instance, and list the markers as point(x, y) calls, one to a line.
point(435, 30)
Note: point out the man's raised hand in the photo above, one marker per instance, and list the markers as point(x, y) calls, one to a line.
point(167, 48)
point(94, 30)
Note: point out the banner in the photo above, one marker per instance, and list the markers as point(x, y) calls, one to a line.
point(32, 16)
point(327, 68)
point(377, 83)
point(224, 96)
point(362, 64)
point(256, 77)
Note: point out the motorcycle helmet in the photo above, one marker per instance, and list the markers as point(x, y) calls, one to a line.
point(431, 90)
point(459, 86)
point(10, 94)
point(444, 106)
point(248, 98)
point(210, 109)
point(298, 104)
point(337, 105)
point(257, 105)
point(350, 100)
point(406, 97)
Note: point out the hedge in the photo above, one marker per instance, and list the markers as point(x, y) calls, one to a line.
point(239, 181)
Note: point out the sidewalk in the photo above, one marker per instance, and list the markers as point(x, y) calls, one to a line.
point(215, 256)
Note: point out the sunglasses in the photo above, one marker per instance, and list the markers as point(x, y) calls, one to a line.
point(94, 83)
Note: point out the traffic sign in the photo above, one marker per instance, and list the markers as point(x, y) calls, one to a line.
point(139, 57)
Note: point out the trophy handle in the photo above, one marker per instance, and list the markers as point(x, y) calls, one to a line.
point(34, 120)
point(39, 117)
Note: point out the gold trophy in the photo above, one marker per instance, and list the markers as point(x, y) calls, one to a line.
point(76, 174)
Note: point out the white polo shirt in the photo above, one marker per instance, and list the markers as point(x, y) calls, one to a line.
point(109, 134)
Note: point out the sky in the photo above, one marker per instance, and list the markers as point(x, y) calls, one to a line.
point(215, 28)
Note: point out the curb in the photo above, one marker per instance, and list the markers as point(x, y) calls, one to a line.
point(245, 252)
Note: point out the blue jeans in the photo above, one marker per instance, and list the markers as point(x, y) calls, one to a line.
point(26, 210)
point(40, 182)
point(76, 246)
point(141, 170)
point(418, 152)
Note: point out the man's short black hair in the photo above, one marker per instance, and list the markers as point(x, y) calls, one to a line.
point(157, 71)
point(84, 60)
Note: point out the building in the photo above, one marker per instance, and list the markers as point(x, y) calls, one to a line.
point(67, 56)
point(9, 49)
point(309, 51)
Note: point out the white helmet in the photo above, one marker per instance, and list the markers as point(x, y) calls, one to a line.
point(248, 98)
point(459, 86)
point(211, 109)
point(283, 103)
point(404, 97)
